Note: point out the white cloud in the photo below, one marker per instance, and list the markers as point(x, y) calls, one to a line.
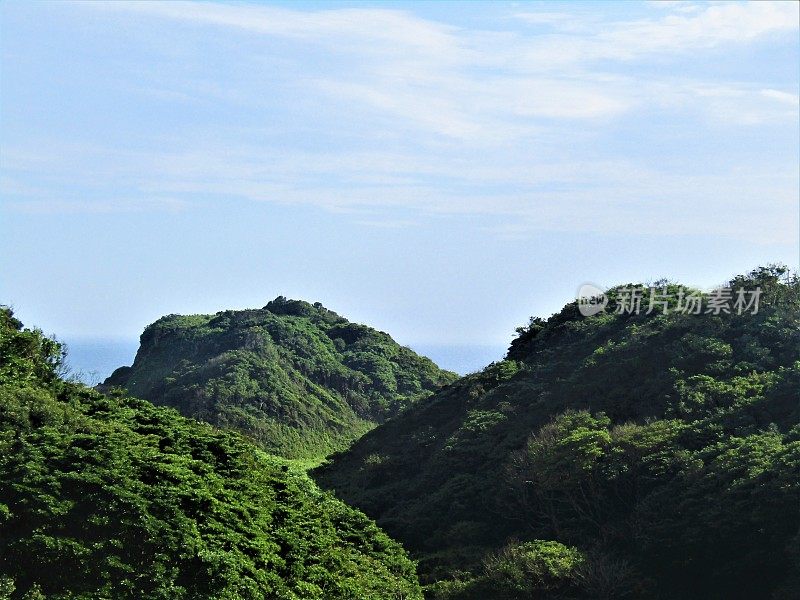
point(674, 35)
point(714, 26)
point(684, 6)
point(456, 122)
point(346, 29)
point(562, 20)
point(397, 190)
point(472, 84)
point(60, 206)
point(792, 100)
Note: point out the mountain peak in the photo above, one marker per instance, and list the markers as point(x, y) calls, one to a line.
point(296, 377)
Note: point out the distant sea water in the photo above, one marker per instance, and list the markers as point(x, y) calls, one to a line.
point(461, 358)
point(94, 359)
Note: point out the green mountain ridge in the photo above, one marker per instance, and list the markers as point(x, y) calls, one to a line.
point(108, 496)
point(643, 456)
point(613, 456)
point(295, 377)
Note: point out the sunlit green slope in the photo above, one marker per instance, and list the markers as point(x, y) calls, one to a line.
point(297, 378)
point(110, 497)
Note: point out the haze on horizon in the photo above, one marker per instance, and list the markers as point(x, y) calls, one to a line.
point(437, 171)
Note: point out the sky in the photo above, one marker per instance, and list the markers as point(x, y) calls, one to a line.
point(441, 171)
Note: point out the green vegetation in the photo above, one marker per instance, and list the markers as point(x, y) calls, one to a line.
point(107, 496)
point(296, 378)
point(643, 456)
point(614, 456)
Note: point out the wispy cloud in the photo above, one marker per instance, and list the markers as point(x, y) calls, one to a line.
point(57, 206)
point(609, 196)
point(430, 118)
point(473, 84)
point(716, 25)
point(687, 28)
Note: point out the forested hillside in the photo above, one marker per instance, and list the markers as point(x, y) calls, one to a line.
point(297, 378)
point(111, 497)
point(612, 456)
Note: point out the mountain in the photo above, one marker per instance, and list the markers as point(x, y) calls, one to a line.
point(108, 496)
point(297, 378)
point(611, 456)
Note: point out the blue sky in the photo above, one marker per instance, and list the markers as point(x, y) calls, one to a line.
point(441, 171)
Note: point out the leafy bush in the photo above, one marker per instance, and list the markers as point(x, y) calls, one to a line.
point(662, 447)
point(107, 496)
point(297, 378)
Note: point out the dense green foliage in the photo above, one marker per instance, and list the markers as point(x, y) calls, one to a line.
point(110, 497)
point(297, 378)
point(659, 452)
point(535, 569)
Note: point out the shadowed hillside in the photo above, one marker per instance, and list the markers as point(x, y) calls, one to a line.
point(618, 455)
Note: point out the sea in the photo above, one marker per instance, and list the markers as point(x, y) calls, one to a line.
point(91, 360)
point(461, 358)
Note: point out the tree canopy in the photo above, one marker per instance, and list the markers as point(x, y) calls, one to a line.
point(296, 378)
point(663, 448)
point(107, 496)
